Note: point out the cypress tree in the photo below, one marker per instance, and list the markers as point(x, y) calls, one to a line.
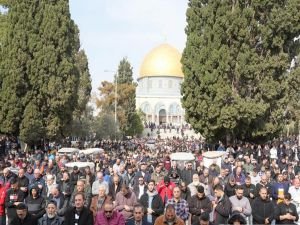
point(40, 76)
point(128, 116)
point(3, 18)
point(15, 63)
point(85, 83)
point(54, 77)
point(235, 64)
point(82, 115)
point(125, 73)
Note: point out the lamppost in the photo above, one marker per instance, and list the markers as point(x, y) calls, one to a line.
point(116, 95)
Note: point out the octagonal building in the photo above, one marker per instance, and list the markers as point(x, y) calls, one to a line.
point(158, 92)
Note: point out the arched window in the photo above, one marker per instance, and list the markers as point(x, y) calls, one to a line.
point(160, 84)
point(146, 108)
point(174, 109)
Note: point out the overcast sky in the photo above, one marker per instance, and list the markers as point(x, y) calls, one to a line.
point(113, 29)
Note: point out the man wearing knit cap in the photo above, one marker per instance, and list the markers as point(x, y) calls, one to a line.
point(198, 204)
point(23, 217)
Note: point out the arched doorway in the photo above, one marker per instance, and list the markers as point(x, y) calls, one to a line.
point(162, 116)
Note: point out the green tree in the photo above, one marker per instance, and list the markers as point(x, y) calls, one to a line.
point(105, 127)
point(235, 64)
point(106, 102)
point(124, 75)
point(293, 97)
point(3, 18)
point(14, 64)
point(83, 114)
point(85, 83)
point(82, 126)
point(136, 125)
point(40, 76)
point(129, 119)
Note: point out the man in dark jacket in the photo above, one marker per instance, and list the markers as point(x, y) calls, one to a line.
point(286, 212)
point(198, 204)
point(75, 175)
point(51, 218)
point(187, 173)
point(230, 187)
point(89, 177)
point(38, 180)
point(79, 214)
point(13, 198)
point(221, 206)
point(66, 186)
point(81, 188)
point(152, 203)
point(140, 188)
point(23, 216)
point(263, 210)
point(143, 173)
point(115, 187)
point(60, 173)
point(249, 189)
point(263, 183)
point(8, 176)
point(35, 202)
point(130, 176)
point(59, 198)
point(203, 219)
point(185, 191)
point(23, 181)
point(138, 216)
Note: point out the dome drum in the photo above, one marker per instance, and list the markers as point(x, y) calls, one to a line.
point(158, 92)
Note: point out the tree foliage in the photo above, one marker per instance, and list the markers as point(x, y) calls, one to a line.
point(3, 18)
point(82, 122)
point(235, 63)
point(83, 127)
point(85, 83)
point(40, 78)
point(124, 75)
point(15, 56)
point(122, 93)
point(293, 96)
point(107, 99)
point(129, 120)
point(105, 127)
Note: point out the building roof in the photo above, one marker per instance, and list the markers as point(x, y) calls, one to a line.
point(163, 60)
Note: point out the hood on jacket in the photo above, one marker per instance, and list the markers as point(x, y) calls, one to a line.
point(34, 187)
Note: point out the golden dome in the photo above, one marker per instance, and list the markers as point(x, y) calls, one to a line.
point(164, 60)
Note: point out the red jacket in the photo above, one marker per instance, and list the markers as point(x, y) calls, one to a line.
point(165, 192)
point(3, 189)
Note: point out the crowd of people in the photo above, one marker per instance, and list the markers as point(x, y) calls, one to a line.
point(133, 184)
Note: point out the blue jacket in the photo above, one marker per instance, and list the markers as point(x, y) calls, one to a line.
point(275, 188)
